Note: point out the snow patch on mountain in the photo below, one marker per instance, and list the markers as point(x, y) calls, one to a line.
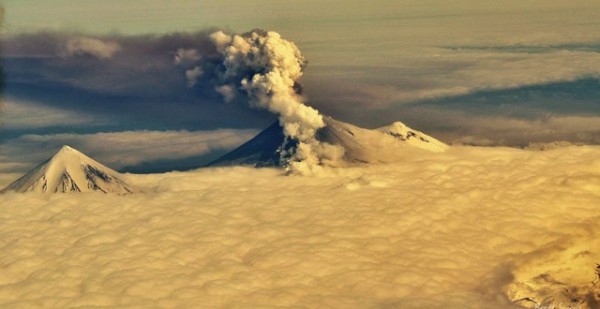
point(413, 137)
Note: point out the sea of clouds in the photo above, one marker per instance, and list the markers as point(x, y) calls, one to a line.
point(470, 228)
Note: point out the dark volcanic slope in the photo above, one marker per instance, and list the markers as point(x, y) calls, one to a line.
point(262, 150)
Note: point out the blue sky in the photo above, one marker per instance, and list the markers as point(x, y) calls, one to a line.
point(477, 72)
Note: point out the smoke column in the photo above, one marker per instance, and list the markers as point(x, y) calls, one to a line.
point(267, 68)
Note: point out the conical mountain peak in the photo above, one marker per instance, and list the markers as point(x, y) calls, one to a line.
point(70, 156)
point(66, 148)
point(69, 170)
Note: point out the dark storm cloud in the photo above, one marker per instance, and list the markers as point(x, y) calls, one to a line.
point(2, 79)
point(143, 66)
point(138, 66)
point(136, 79)
point(2, 82)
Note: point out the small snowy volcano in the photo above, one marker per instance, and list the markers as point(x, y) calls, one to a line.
point(70, 171)
point(385, 144)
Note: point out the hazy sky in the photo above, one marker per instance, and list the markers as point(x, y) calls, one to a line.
point(493, 73)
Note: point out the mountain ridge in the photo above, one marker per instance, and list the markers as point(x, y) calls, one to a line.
point(360, 145)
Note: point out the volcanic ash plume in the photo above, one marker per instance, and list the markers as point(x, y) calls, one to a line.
point(267, 68)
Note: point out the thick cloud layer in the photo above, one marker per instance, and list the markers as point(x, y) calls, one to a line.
point(458, 229)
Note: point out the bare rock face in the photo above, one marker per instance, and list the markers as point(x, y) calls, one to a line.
point(70, 171)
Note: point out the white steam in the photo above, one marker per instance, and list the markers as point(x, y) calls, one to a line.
point(267, 67)
point(92, 47)
point(192, 76)
point(227, 91)
point(185, 56)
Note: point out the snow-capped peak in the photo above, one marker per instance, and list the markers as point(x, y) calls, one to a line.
point(396, 126)
point(66, 148)
point(70, 171)
point(413, 137)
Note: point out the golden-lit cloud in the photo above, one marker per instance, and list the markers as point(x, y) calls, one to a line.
point(454, 229)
